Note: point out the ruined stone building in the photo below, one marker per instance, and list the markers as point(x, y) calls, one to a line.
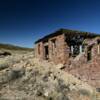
point(64, 44)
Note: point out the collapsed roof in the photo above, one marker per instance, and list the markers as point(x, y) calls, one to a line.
point(69, 34)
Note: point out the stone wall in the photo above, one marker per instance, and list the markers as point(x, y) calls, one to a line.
point(88, 71)
point(39, 51)
point(57, 48)
point(60, 54)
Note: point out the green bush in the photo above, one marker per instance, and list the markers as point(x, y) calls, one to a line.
point(84, 92)
point(3, 65)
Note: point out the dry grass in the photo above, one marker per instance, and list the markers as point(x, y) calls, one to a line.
point(26, 78)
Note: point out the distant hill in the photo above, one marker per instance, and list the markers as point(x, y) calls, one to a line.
point(13, 47)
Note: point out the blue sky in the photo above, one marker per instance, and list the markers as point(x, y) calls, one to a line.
point(22, 22)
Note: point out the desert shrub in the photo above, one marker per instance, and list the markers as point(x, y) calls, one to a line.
point(57, 96)
point(62, 87)
point(63, 97)
point(3, 65)
point(45, 78)
point(9, 75)
point(14, 74)
point(5, 53)
point(98, 89)
point(84, 92)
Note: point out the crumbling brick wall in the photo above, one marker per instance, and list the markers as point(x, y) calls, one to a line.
point(85, 70)
point(39, 51)
point(60, 55)
point(57, 54)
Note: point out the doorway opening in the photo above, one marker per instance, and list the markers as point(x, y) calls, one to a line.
point(46, 52)
point(89, 53)
point(98, 42)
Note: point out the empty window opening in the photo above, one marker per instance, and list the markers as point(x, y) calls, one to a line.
point(98, 41)
point(72, 49)
point(80, 49)
point(46, 52)
point(76, 50)
point(76, 45)
point(53, 45)
point(89, 53)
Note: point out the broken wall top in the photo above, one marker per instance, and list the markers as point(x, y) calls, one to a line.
point(69, 34)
